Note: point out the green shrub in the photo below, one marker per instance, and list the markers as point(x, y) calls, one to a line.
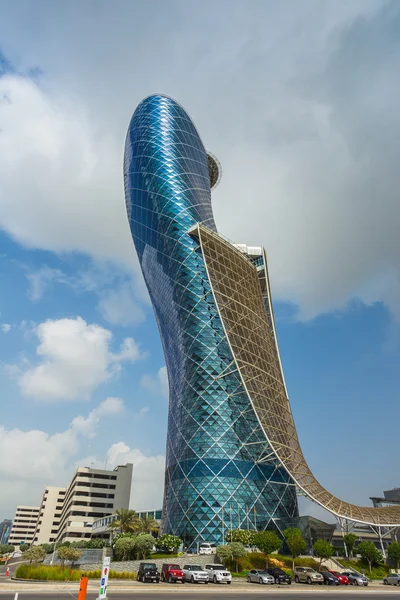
point(47, 573)
point(56, 573)
point(257, 560)
point(378, 571)
point(123, 575)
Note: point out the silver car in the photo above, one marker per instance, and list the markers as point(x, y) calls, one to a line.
point(356, 578)
point(392, 579)
point(195, 574)
point(260, 576)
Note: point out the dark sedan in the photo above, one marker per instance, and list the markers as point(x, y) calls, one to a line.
point(329, 578)
point(280, 576)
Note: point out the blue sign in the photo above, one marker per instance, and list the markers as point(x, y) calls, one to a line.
point(103, 581)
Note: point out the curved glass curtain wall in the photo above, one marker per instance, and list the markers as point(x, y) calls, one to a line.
point(213, 481)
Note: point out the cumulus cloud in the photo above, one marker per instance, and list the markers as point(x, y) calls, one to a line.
point(86, 426)
point(120, 297)
point(67, 197)
point(74, 358)
point(120, 307)
point(147, 477)
point(33, 459)
point(156, 384)
point(308, 138)
point(40, 280)
point(5, 327)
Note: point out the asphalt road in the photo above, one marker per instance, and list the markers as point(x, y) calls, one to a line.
point(198, 595)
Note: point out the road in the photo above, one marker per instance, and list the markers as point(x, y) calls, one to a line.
point(143, 594)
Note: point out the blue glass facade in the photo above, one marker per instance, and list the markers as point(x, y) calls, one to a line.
point(214, 480)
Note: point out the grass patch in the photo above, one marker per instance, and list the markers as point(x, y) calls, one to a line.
point(378, 571)
point(56, 573)
point(47, 573)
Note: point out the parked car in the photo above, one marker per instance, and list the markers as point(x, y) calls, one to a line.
point(307, 575)
point(206, 548)
point(343, 580)
point(329, 579)
point(148, 572)
point(195, 574)
point(172, 573)
point(280, 576)
point(356, 578)
point(392, 579)
point(260, 576)
point(218, 574)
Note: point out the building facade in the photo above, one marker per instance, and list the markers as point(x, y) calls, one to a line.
point(92, 494)
point(221, 471)
point(5, 529)
point(24, 525)
point(49, 515)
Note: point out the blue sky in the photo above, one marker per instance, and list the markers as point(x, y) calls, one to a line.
point(300, 104)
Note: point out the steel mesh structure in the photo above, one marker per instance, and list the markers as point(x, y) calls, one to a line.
point(235, 283)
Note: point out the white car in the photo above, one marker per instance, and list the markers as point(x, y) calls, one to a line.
point(218, 574)
point(206, 548)
point(195, 574)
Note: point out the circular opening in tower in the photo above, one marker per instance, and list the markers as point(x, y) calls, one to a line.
point(214, 170)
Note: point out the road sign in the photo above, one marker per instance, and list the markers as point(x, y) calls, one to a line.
point(104, 579)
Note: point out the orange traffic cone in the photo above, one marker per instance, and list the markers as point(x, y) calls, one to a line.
point(7, 572)
point(83, 588)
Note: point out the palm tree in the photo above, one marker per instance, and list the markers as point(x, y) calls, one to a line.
point(127, 520)
point(148, 525)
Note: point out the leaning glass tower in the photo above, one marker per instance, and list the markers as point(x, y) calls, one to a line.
point(221, 471)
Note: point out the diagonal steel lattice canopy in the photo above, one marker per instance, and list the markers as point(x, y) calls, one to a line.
point(238, 296)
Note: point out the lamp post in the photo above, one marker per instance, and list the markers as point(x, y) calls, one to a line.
point(222, 526)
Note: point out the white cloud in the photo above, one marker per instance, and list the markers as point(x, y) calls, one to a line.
point(312, 158)
point(40, 281)
point(5, 327)
point(129, 351)
point(147, 478)
point(74, 358)
point(120, 306)
point(86, 426)
point(65, 199)
point(119, 291)
point(143, 411)
point(156, 384)
point(33, 459)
